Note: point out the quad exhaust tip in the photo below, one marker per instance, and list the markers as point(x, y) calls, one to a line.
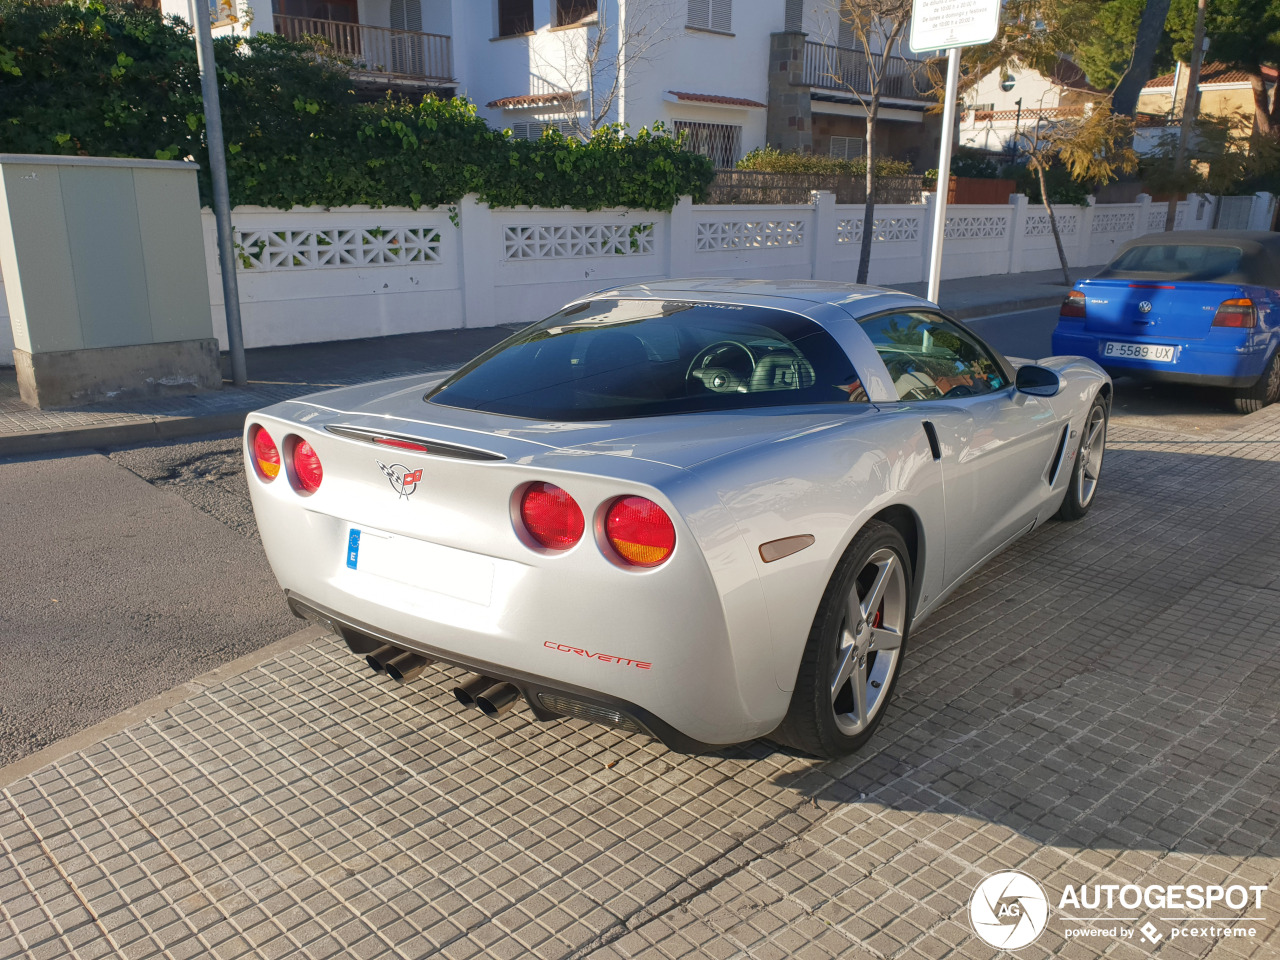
point(493, 697)
point(406, 666)
point(400, 665)
point(377, 659)
point(498, 699)
point(471, 688)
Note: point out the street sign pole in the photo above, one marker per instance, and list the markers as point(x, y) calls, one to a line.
point(944, 174)
point(949, 25)
point(221, 196)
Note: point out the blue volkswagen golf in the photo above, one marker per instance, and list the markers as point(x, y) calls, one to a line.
point(1197, 307)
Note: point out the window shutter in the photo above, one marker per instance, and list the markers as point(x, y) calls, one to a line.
point(793, 19)
point(845, 38)
point(699, 13)
point(847, 148)
point(722, 15)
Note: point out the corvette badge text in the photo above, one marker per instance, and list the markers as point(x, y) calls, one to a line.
point(602, 657)
point(1010, 910)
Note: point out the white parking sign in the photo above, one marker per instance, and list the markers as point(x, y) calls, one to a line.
point(943, 24)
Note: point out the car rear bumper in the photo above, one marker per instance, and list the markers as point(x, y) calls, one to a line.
point(1216, 361)
point(538, 691)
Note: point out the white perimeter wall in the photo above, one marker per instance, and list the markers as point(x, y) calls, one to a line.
point(311, 275)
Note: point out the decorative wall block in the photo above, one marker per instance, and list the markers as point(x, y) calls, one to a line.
point(570, 241)
point(1038, 224)
point(972, 227)
point(889, 228)
point(1156, 218)
point(745, 234)
point(1114, 221)
point(336, 247)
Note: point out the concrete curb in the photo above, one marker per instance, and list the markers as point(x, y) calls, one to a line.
point(1006, 306)
point(153, 707)
point(119, 434)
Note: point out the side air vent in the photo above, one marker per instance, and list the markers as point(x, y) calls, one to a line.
point(1055, 465)
point(430, 448)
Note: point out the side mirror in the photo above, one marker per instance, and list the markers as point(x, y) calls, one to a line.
point(1037, 381)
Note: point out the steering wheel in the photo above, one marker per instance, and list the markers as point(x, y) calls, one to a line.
point(959, 390)
point(717, 369)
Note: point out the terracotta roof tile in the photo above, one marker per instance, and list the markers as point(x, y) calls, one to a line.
point(1212, 73)
point(713, 98)
point(532, 100)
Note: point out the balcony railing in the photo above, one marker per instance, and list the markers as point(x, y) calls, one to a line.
point(837, 68)
point(407, 54)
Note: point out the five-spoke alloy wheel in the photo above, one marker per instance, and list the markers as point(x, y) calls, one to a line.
point(855, 648)
point(1088, 466)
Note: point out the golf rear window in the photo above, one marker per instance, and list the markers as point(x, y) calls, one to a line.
point(612, 359)
point(1179, 261)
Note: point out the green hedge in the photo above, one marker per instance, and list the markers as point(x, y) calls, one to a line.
point(769, 160)
point(100, 80)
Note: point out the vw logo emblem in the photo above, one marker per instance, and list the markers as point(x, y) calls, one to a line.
point(1144, 306)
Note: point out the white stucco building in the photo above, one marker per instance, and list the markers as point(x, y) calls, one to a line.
point(1004, 105)
point(736, 74)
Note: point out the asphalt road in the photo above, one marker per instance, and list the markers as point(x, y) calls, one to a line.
point(131, 572)
point(116, 589)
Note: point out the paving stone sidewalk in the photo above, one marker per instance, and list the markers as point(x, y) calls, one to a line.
point(1101, 705)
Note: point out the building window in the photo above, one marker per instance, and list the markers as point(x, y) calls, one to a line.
point(847, 148)
point(722, 142)
point(515, 17)
point(533, 129)
point(569, 12)
point(711, 14)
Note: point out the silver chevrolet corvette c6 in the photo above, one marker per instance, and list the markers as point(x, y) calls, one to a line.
point(705, 510)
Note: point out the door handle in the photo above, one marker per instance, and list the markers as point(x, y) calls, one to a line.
point(934, 447)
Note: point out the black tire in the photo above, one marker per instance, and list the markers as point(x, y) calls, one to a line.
point(1086, 465)
point(1263, 393)
point(819, 721)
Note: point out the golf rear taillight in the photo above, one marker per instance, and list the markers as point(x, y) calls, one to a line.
point(266, 455)
point(1073, 306)
point(307, 472)
point(551, 516)
point(1236, 313)
point(639, 531)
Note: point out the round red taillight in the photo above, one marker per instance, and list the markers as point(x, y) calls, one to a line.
point(307, 471)
point(640, 531)
point(266, 456)
point(552, 517)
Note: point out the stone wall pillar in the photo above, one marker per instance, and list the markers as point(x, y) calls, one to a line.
point(789, 121)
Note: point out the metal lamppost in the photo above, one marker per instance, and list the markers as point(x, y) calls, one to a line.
point(1017, 121)
point(221, 197)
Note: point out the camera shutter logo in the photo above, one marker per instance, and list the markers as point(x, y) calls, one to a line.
point(1009, 910)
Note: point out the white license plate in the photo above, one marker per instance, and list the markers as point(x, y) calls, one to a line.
point(417, 563)
point(1139, 351)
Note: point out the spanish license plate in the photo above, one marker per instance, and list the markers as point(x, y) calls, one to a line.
point(1139, 351)
point(416, 563)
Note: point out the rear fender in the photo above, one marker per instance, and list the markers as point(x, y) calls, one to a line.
point(827, 484)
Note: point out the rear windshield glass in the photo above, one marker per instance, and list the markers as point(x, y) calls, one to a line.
point(608, 359)
point(1177, 261)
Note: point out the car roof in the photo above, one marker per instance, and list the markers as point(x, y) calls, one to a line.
point(1259, 262)
point(800, 296)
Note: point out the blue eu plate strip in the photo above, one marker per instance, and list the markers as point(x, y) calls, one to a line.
point(353, 548)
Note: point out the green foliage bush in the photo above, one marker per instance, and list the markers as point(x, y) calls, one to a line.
point(1062, 189)
point(769, 160)
point(100, 80)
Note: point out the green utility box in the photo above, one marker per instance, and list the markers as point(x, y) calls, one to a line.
point(104, 272)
